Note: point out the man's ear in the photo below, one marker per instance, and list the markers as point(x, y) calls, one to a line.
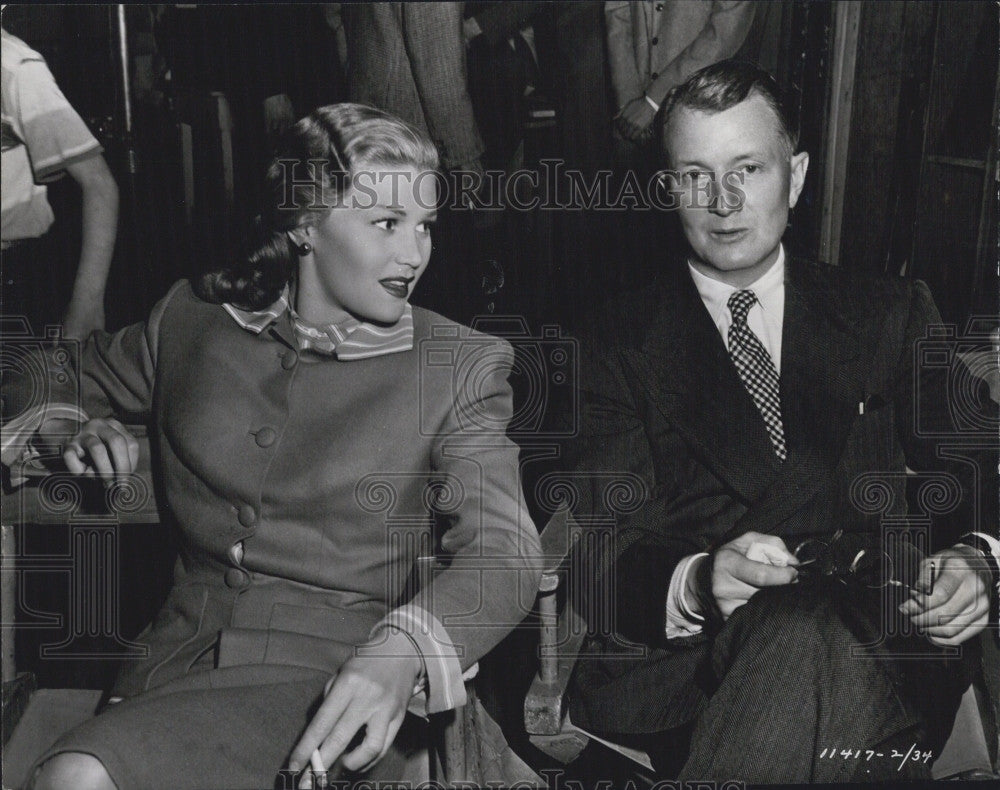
point(797, 177)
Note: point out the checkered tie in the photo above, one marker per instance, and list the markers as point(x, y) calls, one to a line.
point(756, 368)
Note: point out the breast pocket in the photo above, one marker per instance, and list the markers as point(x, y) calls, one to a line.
point(872, 444)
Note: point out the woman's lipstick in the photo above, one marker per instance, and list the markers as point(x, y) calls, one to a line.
point(397, 286)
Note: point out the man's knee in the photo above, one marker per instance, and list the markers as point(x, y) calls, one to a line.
point(787, 621)
point(72, 769)
point(790, 609)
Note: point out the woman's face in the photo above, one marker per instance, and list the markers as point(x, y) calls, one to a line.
point(370, 250)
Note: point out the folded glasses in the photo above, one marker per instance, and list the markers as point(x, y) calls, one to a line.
point(853, 560)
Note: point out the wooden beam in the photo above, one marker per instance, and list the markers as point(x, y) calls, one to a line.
point(847, 17)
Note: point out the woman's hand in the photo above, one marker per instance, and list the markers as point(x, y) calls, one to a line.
point(101, 448)
point(369, 691)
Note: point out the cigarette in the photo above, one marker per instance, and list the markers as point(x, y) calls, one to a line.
point(318, 771)
point(933, 569)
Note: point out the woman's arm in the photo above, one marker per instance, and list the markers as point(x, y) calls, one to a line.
point(83, 387)
point(486, 590)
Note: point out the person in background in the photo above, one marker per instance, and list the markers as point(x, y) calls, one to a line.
point(409, 59)
point(654, 45)
point(44, 138)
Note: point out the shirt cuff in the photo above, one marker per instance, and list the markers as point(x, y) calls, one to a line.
point(681, 620)
point(994, 543)
point(444, 683)
point(990, 548)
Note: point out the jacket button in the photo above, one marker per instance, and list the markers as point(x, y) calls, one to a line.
point(237, 579)
point(247, 516)
point(265, 437)
point(655, 41)
point(235, 553)
point(655, 74)
point(289, 359)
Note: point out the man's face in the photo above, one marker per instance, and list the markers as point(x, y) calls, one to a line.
point(734, 239)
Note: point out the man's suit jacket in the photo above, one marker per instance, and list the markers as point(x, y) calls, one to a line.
point(409, 59)
point(663, 401)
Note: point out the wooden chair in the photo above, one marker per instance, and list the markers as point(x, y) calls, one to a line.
point(563, 629)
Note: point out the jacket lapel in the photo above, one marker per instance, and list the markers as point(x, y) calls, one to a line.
point(821, 385)
point(689, 378)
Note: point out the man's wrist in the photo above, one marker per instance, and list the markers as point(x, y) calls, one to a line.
point(984, 549)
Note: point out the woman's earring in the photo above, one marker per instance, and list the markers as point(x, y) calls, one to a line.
point(303, 249)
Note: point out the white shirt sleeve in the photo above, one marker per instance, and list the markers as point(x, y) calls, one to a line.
point(680, 619)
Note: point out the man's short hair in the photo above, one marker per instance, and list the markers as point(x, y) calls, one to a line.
point(725, 84)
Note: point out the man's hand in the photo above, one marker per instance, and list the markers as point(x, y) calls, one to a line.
point(635, 121)
point(959, 606)
point(369, 691)
point(101, 448)
point(734, 578)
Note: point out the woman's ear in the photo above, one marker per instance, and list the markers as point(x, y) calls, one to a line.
point(300, 235)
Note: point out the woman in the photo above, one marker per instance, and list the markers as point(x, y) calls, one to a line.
point(306, 421)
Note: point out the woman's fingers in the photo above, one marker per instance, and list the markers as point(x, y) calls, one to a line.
point(123, 446)
point(322, 723)
point(73, 456)
point(103, 448)
point(371, 749)
point(343, 733)
point(100, 461)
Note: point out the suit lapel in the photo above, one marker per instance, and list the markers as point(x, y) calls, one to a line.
point(821, 384)
point(688, 376)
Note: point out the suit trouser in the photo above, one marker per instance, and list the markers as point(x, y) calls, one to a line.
point(808, 667)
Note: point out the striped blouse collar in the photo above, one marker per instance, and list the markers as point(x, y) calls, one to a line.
point(350, 339)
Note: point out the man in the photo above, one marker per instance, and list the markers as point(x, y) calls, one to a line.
point(654, 46)
point(409, 59)
point(43, 138)
point(767, 405)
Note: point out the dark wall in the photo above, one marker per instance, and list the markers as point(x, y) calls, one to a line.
point(919, 197)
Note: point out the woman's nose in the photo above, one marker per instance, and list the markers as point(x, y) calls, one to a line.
point(408, 252)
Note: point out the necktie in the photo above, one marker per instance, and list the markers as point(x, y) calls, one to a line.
point(756, 368)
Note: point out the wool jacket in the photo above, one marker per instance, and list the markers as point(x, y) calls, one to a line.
point(304, 487)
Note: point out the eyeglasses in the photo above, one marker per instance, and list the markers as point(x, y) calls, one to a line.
point(852, 559)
